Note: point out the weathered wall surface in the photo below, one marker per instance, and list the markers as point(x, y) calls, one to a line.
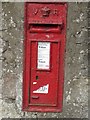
point(75, 103)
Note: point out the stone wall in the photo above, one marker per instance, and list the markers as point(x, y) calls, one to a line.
point(75, 103)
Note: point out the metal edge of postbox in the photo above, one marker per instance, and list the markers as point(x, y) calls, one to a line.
point(26, 86)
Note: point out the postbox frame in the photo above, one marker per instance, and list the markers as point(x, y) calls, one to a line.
point(26, 70)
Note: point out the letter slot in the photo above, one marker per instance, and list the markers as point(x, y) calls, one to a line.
point(45, 28)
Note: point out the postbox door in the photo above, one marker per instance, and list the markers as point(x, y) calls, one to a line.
point(44, 73)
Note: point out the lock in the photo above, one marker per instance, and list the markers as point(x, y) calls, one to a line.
point(45, 38)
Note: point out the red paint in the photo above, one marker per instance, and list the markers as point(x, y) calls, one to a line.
point(44, 22)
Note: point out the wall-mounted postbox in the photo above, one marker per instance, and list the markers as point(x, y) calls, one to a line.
point(45, 32)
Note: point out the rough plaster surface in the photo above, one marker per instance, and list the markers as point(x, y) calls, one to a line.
point(0, 61)
point(75, 103)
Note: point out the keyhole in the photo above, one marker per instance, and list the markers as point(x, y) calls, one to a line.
point(37, 77)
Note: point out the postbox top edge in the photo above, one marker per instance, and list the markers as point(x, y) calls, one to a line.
point(46, 1)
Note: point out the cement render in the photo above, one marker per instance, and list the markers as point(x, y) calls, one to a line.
point(75, 102)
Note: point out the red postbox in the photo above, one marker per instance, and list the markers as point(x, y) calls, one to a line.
point(45, 36)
